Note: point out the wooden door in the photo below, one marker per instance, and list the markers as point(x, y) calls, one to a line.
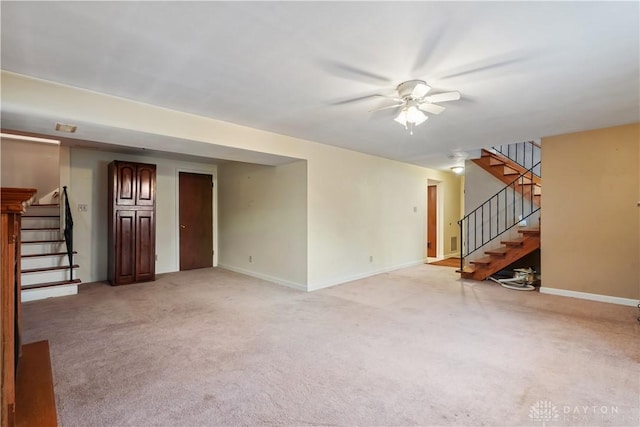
point(125, 249)
point(145, 257)
point(125, 184)
point(196, 220)
point(145, 184)
point(432, 209)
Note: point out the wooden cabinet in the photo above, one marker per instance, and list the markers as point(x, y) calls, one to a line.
point(132, 226)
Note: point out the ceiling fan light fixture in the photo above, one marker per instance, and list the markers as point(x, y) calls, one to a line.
point(410, 117)
point(402, 117)
point(415, 116)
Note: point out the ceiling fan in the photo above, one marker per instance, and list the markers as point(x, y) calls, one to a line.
point(414, 101)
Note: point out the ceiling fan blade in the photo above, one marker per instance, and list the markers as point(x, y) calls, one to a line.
point(443, 97)
point(353, 73)
point(431, 108)
point(420, 91)
point(387, 107)
point(362, 98)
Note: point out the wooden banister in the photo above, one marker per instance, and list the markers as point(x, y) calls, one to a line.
point(13, 202)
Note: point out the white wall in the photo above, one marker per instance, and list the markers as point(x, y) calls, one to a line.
point(359, 206)
point(479, 186)
point(29, 165)
point(88, 185)
point(263, 215)
point(361, 214)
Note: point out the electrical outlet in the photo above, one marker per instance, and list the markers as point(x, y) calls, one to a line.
point(156, 257)
point(415, 209)
point(250, 258)
point(82, 207)
point(371, 258)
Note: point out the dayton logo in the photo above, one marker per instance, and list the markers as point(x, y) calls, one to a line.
point(544, 411)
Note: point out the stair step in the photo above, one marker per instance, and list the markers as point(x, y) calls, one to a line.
point(27, 242)
point(48, 254)
point(47, 285)
point(500, 252)
point(510, 171)
point(44, 260)
point(529, 231)
point(39, 222)
point(40, 229)
point(514, 242)
point(482, 261)
point(42, 248)
point(27, 215)
point(44, 205)
point(495, 162)
point(35, 235)
point(39, 270)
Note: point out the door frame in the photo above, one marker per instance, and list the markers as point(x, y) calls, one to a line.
point(214, 211)
point(439, 218)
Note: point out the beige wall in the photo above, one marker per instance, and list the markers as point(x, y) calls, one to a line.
point(359, 206)
point(263, 215)
point(590, 221)
point(29, 165)
point(88, 186)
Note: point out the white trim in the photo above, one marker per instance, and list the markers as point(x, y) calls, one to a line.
point(214, 197)
point(588, 296)
point(27, 295)
point(266, 277)
point(364, 275)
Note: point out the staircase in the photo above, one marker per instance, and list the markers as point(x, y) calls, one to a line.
point(46, 270)
point(492, 235)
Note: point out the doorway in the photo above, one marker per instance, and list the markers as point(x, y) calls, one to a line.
point(195, 192)
point(432, 221)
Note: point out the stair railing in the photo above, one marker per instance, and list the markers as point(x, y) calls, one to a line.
point(525, 154)
point(68, 231)
point(504, 210)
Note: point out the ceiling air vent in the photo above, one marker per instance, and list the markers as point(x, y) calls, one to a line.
point(61, 127)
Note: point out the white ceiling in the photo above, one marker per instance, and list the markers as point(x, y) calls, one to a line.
point(525, 69)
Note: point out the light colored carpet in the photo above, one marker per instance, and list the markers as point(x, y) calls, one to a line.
point(412, 347)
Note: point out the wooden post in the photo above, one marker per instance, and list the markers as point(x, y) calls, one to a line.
point(13, 203)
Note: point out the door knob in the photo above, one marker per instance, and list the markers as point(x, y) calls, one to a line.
point(183, 226)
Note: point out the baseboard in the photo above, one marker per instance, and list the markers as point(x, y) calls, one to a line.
point(266, 277)
point(588, 296)
point(364, 275)
point(452, 255)
point(27, 295)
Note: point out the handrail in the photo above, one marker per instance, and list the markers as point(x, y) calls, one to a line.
point(524, 154)
point(68, 231)
point(504, 210)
